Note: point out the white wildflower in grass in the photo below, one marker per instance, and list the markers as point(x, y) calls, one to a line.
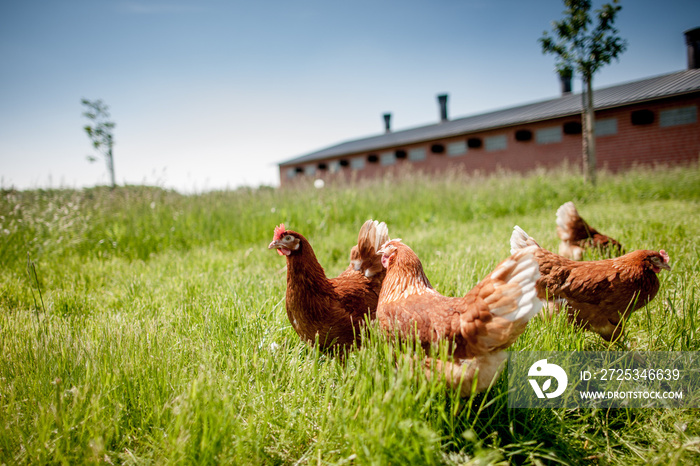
point(319, 183)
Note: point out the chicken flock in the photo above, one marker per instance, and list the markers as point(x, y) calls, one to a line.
point(385, 280)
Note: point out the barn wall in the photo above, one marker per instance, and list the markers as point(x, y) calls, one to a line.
point(666, 132)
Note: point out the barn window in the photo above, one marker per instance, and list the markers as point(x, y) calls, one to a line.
point(344, 162)
point(387, 158)
point(455, 149)
point(416, 155)
point(606, 127)
point(437, 148)
point(642, 117)
point(523, 135)
point(373, 158)
point(678, 116)
point(291, 172)
point(299, 170)
point(494, 143)
point(310, 170)
point(572, 127)
point(322, 166)
point(548, 135)
point(357, 163)
point(334, 166)
point(400, 154)
point(474, 143)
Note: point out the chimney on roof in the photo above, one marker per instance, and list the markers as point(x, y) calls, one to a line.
point(565, 81)
point(387, 122)
point(692, 39)
point(442, 100)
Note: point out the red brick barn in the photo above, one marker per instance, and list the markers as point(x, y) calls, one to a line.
point(653, 120)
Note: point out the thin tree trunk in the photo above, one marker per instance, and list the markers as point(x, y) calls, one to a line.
point(588, 125)
point(584, 132)
point(110, 164)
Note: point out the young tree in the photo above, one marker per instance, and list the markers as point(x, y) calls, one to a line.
point(100, 133)
point(584, 50)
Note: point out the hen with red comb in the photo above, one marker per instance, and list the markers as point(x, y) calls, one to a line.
point(600, 295)
point(330, 311)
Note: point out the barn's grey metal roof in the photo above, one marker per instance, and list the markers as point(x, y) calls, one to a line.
point(655, 88)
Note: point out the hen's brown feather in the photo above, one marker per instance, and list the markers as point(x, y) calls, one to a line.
point(576, 235)
point(478, 326)
point(332, 310)
point(599, 294)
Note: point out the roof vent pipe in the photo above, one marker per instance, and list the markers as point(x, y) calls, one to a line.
point(442, 100)
point(387, 122)
point(692, 39)
point(565, 81)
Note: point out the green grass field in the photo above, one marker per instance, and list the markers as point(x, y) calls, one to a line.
point(142, 326)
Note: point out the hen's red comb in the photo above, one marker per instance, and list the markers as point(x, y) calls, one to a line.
point(279, 231)
point(664, 256)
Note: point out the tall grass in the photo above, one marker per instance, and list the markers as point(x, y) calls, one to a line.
point(144, 326)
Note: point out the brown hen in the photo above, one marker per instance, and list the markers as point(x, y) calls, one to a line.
point(331, 311)
point(576, 235)
point(479, 326)
point(600, 294)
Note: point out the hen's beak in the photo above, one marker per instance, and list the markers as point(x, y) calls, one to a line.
point(382, 248)
point(276, 245)
point(658, 264)
point(282, 250)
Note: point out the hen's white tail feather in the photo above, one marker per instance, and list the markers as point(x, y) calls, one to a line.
point(382, 235)
point(519, 286)
point(373, 235)
point(520, 240)
point(566, 213)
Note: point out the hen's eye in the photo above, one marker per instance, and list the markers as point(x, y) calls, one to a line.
point(288, 238)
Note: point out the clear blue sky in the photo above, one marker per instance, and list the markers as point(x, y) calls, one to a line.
point(210, 94)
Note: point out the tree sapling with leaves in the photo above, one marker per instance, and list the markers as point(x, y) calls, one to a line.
point(100, 133)
point(583, 50)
